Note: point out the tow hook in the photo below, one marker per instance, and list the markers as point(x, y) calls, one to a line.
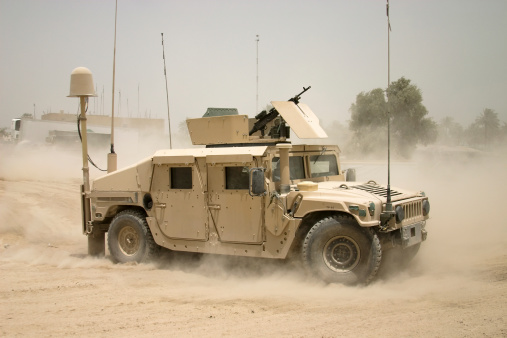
point(89, 228)
point(385, 219)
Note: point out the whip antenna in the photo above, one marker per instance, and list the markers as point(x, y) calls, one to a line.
point(166, 93)
point(389, 206)
point(257, 88)
point(111, 157)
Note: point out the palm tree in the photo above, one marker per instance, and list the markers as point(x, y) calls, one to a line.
point(489, 119)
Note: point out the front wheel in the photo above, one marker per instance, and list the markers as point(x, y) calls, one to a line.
point(337, 250)
point(129, 238)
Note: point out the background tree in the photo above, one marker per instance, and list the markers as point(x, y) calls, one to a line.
point(337, 132)
point(409, 121)
point(450, 133)
point(409, 125)
point(368, 122)
point(503, 133)
point(490, 123)
point(486, 129)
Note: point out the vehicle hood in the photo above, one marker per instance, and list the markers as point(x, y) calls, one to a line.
point(369, 190)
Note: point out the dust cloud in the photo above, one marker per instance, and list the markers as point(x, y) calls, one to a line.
point(40, 231)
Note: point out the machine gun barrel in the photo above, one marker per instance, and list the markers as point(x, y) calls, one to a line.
point(264, 118)
point(296, 98)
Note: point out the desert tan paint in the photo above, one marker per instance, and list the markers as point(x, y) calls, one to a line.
point(208, 216)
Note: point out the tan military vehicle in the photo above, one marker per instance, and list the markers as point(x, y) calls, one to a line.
point(250, 192)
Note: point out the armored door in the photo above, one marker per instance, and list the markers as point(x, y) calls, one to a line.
point(179, 201)
point(235, 215)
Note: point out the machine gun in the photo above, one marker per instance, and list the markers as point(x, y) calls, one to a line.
point(296, 98)
point(263, 118)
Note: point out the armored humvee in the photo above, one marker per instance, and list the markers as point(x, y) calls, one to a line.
point(251, 192)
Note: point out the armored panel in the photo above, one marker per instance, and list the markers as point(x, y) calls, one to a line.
point(219, 129)
point(228, 158)
point(173, 159)
point(212, 112)
point(300, 118)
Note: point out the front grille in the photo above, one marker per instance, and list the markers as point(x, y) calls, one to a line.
point(376, 189)
point(412, 209)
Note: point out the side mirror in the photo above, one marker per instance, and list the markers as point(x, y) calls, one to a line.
point(256, 187)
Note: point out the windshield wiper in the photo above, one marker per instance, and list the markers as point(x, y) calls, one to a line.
point(321, 153)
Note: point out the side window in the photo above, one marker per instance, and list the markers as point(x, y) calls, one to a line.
point(323, 165)
point(236, 177)
point(296, 168)
point(181, 178)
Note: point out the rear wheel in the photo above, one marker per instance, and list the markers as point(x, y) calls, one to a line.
point(337, 250)
point(129, 238)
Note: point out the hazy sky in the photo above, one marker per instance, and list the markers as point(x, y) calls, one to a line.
point(455, 51)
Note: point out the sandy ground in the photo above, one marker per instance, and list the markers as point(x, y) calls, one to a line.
point(455, 287)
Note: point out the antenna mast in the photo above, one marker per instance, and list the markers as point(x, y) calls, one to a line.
point(389, 205)
point(257, 93)
point(111, 157)
point(166, 93)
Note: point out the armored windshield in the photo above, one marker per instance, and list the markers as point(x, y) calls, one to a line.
point(323, 165)
point(296, 165)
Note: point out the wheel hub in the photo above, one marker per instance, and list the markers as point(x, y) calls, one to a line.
point(341, 254)
point(128, 240)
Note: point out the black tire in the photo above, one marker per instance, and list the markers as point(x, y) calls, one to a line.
point(129, 238)
point(337, 250)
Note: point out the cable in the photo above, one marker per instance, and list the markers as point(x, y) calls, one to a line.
point(81, 139)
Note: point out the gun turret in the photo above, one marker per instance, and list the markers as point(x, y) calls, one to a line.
point(263, 118)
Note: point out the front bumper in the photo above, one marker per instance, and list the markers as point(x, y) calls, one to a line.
point(412, 234)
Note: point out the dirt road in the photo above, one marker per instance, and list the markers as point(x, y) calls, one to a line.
point(456, 286)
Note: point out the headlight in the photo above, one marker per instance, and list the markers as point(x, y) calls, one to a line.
point(400, 214)
point(371, 208)
point(426, 207)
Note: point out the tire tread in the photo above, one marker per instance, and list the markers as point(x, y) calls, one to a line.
point(375, 258)
point(151, 248)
